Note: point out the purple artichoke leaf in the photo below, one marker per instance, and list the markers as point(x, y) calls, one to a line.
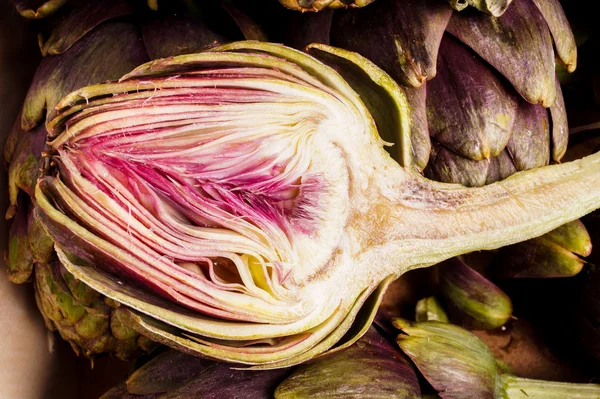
point(120, 392)
point(517, 44)
point(249, 28)
point(473, 300)
point(82, 20)
point(446, 166)
point(106, 53)
point(560, 125)
point(219, 381)
point(529, 142)
point(402, 38)
point(500, 167)
point(442, 352)
point(564, 39)
point(419, 125)
point(470, 109)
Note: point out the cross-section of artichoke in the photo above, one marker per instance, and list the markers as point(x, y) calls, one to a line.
point(240, 202)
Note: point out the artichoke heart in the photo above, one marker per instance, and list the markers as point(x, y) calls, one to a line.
point(240, 202)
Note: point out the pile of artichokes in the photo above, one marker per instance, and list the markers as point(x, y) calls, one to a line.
point(176, 178)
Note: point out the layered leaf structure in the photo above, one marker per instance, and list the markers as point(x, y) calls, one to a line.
point(240, 203)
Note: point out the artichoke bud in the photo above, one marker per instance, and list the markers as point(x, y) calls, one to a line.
point(460, 366)
point(430, 309)
point(555, 254)
point(224, 214)
point(472, 299)
point(454, 361)
point(19, 258)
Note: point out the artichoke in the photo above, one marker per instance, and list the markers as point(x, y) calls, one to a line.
point(460, 366)
point(555, 254)
point(373, 368)
point(472, 299)
point(238, 202)
point(479, 84)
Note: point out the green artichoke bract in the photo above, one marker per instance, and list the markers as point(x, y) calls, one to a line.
point(555, 254)
point(82, 316)
point(240, 202)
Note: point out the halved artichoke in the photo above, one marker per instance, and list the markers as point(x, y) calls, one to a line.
point(240, 202)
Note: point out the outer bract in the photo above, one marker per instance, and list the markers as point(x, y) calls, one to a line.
point(241, 204)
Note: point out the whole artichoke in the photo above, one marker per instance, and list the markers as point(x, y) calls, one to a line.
point(238, 202)
point(478, 84)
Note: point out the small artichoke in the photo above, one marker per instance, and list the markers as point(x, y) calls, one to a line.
point(460, 366)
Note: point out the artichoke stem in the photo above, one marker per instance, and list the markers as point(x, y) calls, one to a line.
point(429, 222)
point(524, 388)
